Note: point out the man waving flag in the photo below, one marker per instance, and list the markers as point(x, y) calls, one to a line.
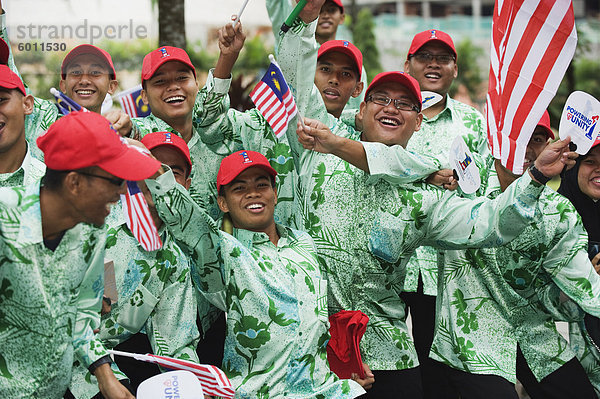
point(533, 42)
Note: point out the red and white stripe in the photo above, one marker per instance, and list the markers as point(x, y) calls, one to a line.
point(138, 218)
point(128, 105)
point(277, 113)
point(213, 379)
point(533, 42)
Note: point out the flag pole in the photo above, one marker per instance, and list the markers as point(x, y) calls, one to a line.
point(239, 15)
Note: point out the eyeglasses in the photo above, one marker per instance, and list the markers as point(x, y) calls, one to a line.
point(402, 105)
point(442, 59)
point(116, 181)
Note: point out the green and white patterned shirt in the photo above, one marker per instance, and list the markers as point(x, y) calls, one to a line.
point(30, 171)
point(49, 300)
point(275, 297)
point(156, 297)
point(491, 299)
point(435, 139)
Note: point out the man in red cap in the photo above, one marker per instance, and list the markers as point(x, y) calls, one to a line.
point(431, 60)
point(87, 76)
point(53, 245)
point(17, 166)
point(265, 276)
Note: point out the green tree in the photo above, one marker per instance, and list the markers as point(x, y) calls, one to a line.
point(469, 70)
point(364, 38)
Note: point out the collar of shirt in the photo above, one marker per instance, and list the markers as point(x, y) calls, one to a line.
point(447, 111)
point(251, 238)
point(22, 170)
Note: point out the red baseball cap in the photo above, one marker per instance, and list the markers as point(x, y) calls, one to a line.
point(428, 35)
point(4, 52)
point(545, 123)
point(88, 49)
point(234, 164)
point(154, 59)
point(82, 139)
point(155, 139)
point(339, 4)
point(345, 47)
point(400, 77)
point(10, 80)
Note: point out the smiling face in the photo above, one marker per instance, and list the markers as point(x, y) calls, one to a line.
point(13, 108)
point(171, 92)
point(387, 124)
point(93, 196)
point(588, 176)
point(250, 200)
point(432, 75)
point(337, 80)
point(330, 17)
point(87, 81)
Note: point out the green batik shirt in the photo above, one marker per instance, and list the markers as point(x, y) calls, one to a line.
point(491, 299)
point(278, 11)
point(49, 300)
point(30, 171)
point(275, 297)
point(435, 139)
point(337, 207)
point(220, 131)
point(44, 112)
point(155, 296)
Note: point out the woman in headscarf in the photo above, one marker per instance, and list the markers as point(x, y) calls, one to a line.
point(581, 185)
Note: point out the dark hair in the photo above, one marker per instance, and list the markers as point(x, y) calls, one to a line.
point(222, 189)
point(53, 179)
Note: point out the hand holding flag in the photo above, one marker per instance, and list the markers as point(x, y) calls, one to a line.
point(131, 102)
point(213, 379)
point(65, 104)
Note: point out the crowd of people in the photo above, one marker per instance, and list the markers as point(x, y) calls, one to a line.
point(263, 238)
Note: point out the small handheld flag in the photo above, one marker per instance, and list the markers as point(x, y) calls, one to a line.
point(64, 103)
point(138, 218)
point(131, 102)
point(274, 99)
point(213, 379)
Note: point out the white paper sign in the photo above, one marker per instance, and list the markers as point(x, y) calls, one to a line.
point(461, 160)
point(580, 120)
point(429, 98)
point(179, 384)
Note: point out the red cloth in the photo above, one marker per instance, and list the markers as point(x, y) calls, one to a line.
point(343, 349)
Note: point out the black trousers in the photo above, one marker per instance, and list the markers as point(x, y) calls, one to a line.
point(463, 385)
point(422, 313)
point(396, 384)
point(569, 381)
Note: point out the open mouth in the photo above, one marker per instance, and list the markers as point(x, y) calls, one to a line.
point(331, 94)
point(325, 25)
point(387, 121)
point(433, 75)
point(84, 92)
point(174, 100)
point(255, 207)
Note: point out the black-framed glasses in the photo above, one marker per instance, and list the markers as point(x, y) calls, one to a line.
point(384, 100)
point(114, 180)
point(442, 59)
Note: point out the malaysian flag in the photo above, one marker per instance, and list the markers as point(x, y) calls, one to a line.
point(213, 379)
point(131, 102)
point(533, 42)
point(138, 218)
point(64, 103)
point(274, 99)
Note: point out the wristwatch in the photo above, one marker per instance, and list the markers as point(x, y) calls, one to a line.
point(539, 176)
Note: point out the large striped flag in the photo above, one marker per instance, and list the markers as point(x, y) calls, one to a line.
point(274, 99)
point(138, 218)
point(533, 42)
point(213, 379)
point(131, 102)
